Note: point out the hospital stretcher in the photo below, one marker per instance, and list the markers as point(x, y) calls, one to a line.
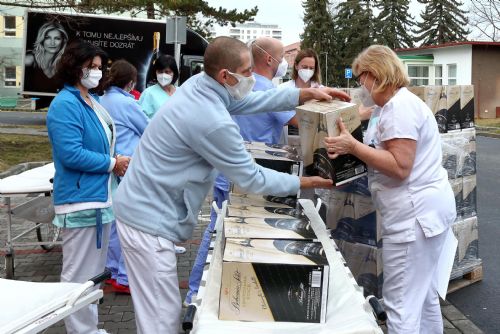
point(31, 307)
point(348, 312)
point(34, 184)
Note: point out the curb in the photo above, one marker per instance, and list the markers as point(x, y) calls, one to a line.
point(488, 134)
point(22, 167)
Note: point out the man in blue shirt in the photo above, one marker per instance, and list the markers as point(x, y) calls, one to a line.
point(268, 63)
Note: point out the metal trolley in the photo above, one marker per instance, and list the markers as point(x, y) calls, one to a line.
point(36, 185)
point(351, 314)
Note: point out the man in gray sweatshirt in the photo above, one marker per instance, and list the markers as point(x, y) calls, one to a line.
point(174, 166)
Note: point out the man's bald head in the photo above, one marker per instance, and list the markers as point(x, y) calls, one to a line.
point(224, 53)
point(267, 52)
point(264, 46)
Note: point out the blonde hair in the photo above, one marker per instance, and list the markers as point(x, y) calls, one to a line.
point(49, 63)
point(384, 65)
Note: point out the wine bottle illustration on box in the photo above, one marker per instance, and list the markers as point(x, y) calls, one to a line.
point(151, 73)
point(311, 250)
point(441, 118)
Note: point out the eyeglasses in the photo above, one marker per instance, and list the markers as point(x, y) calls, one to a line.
point(357, 78)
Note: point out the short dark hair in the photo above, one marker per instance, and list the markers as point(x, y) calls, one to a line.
point(223, 52)
point(166, 61)
point(120, 74)
point(69, 68)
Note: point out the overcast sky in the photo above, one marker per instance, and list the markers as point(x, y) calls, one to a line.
point(288, 14)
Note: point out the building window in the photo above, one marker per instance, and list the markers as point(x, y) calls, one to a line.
point(9, 76)
point(419, 75)
point(452, 74)
point(9, 26)
point(438, 75)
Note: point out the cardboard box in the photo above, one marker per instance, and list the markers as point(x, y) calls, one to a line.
point(469, 203)
point(434, 98)
point(362, 230)
point(439, 108)
point(453, 108)
point(452, 146)
point(466, 106)
point(273, 280)
point(419, 91)
point(258, 200)
point(365, 263)
point(318, 120)
point(262, 228)
point(457, 186)
point(262, 212)
point(260, 146)
point(467, 256)
point(282, 158)
point(469, 161)
point(431, 95)
point(351, 217)
point(355, 95)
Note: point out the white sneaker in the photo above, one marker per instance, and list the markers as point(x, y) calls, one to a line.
point(102, 331)
point(179, 249)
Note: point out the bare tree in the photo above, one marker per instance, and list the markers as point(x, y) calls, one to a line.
point(485, 17)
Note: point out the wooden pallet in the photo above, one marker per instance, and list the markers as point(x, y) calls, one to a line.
point(474, 276)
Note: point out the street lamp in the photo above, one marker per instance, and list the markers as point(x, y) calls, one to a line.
point(326, 67)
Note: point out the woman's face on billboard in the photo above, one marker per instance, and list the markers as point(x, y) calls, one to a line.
point(53, 41)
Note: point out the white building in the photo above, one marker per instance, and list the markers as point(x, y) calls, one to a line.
point(11, 47)
point(461, 63)
point(249, 31)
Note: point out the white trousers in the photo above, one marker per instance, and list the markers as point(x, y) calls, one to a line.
point(410, 285)
point(82, 261)
point(154, 285)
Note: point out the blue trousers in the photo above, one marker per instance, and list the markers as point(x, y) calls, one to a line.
point(197, 271)
point(115, 261)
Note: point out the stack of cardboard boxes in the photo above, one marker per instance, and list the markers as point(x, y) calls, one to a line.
point(273, 267)
point(458, 137)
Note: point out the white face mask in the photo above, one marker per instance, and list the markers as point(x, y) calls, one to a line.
point(366, 96)
point(242, 88)
point(282, 68)
point(164, 79)
point(305, 74)
point(90, 78)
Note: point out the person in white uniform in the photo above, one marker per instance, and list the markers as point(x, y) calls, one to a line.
point(409, 187)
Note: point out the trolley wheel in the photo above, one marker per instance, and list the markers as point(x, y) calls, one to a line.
point(9, 266)
point(49, 233)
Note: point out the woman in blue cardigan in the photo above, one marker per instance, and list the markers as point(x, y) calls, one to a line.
point(130, 123)
point(82, 135)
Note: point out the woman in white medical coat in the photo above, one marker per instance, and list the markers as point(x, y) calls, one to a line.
point(410, 188)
